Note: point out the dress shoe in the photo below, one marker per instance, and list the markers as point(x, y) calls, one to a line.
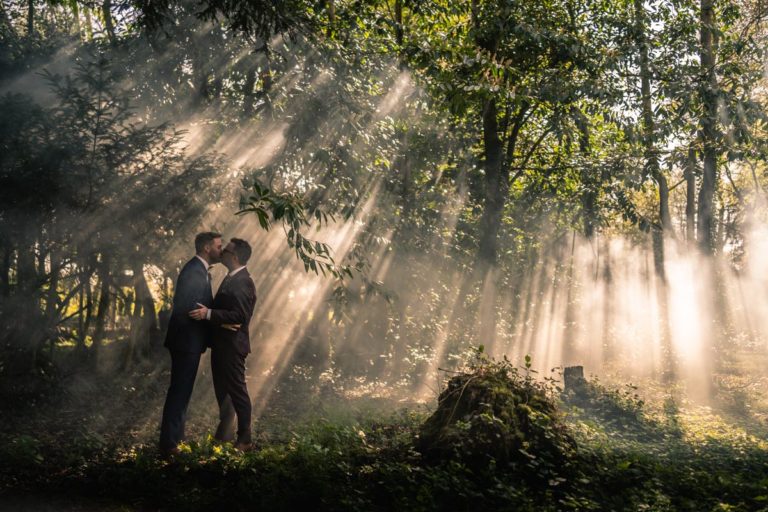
point(243, 446)
point(169, 453)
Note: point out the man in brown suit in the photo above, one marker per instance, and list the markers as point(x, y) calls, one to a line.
point(230, 315)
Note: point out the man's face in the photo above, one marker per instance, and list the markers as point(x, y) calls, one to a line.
point(214, 250)
point(228, 256)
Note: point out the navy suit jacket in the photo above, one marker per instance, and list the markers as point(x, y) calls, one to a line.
point(192, 287)
point(233, 304)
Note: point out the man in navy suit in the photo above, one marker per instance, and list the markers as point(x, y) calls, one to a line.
point(229, 317)
point(186, 339)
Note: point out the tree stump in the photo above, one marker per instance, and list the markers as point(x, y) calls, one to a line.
point(573, 379)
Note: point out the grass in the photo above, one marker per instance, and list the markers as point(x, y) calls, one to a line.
point(631, 454)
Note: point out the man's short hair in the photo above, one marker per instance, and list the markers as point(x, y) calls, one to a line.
point(242, 250)
point(204, 238)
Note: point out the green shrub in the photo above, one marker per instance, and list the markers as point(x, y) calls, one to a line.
point(495, 415)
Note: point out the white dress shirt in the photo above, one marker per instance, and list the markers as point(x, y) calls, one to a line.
point(238, 269)
point(207, 266)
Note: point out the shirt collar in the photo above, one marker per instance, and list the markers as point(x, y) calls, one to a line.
point(205, 263)
point(238, 269)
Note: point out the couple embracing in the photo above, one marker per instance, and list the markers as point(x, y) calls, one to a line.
point(200, 320)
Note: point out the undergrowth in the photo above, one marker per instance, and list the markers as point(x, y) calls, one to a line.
point(499, 439)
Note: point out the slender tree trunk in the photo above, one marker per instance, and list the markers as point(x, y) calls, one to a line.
point(88, 313)
point(106, 12)
point(496, 186)
point(5, 269)
point(649, 136)
point(690, 197)
point(496, 192)
point(113, 312)
point(76, 15)
point(26, 275)
point(88, 23)
point(399, 32)
point(80, 318)
point(331, 17)
point(52, 298)
point(147, 302)
point(407, 178)
point(570, 355)
point(708, 132)
point(216, 87)
point(85, 306)
point(723, 219)
point(144, 320)
point(104, 302)
point(606, 273)
point(589, 177)
point(249, 95)
point(588, 204)
point(203, 91)
point(266, 82)
point(41, 257)
point(23, 324)
point(30, 18)
point(664, 216)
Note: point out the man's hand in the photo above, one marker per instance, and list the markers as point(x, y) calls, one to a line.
point(231, 327)
point(200, 313)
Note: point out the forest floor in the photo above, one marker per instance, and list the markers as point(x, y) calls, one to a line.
point(87, 442)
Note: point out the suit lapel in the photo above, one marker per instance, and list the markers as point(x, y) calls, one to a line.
point(223, 284)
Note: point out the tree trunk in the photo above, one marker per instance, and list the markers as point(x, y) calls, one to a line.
point(406, 172)
point(708, 132)
point(76, 15)
point(606, 274)
point(5, 269)
point(399, 23)
point(690, 197)
point(30, 18)
point(52, 297)
point(26, 276)
point(266, 82)
point(249, 94)
point(496, 186)
point(664, 216)
point(88, 23)
point(331, 17)
point(143, 320)
point(652, 166)
point(147, 302)
point(106, 12)
point(202, 91)
point(588, 204)
point(569, 348)
point(80, 323)
point(85, 306)
point(104, 302)
point(88, 306)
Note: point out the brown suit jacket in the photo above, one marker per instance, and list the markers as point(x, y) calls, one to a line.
point(233, 304)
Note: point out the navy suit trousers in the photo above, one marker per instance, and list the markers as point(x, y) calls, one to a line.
point(183, 372)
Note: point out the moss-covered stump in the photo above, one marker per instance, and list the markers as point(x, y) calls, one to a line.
point(495, 416)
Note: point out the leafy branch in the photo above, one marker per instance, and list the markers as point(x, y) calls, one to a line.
point(289, 209)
